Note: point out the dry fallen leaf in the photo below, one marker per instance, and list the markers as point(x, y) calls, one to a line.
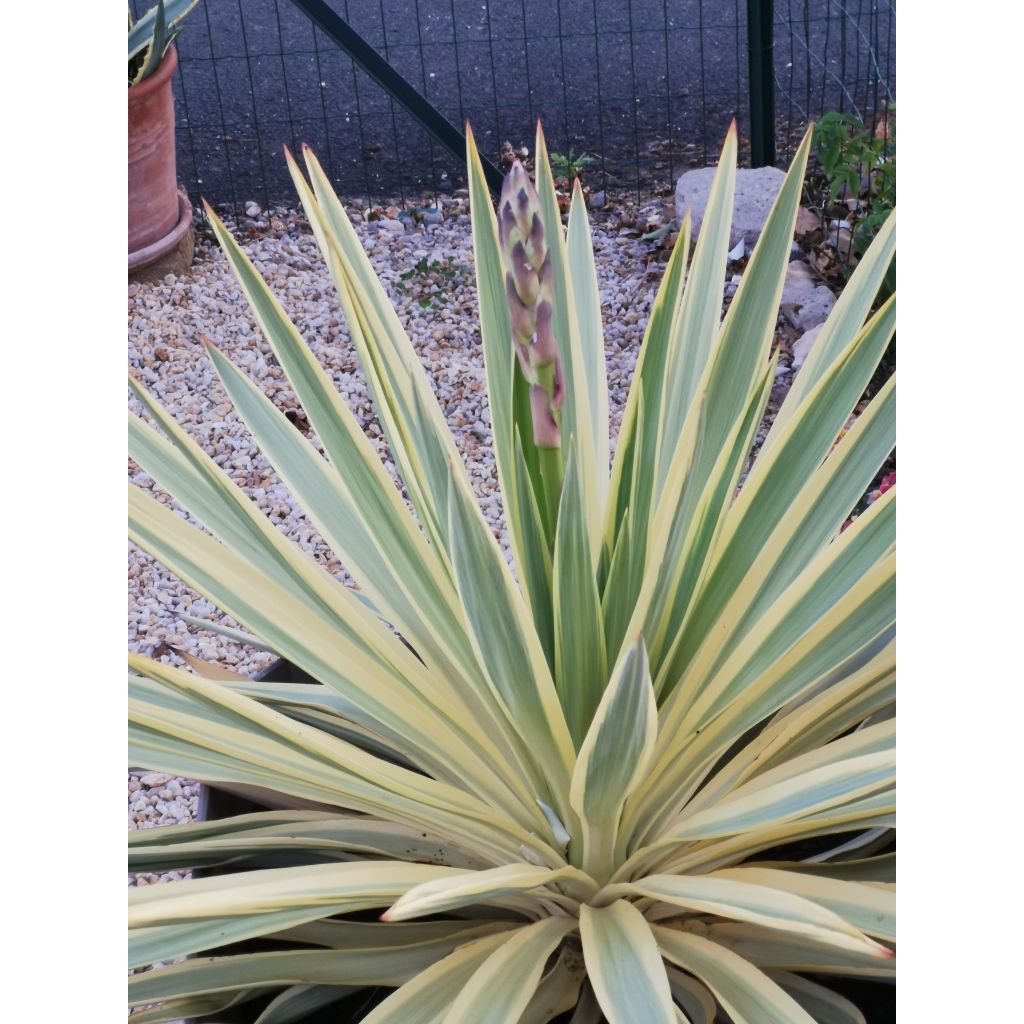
point(806, 222)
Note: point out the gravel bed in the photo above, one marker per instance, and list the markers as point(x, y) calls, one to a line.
point(427, 269)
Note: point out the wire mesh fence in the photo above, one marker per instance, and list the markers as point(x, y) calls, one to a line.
point(646, 88)
point(839, 56)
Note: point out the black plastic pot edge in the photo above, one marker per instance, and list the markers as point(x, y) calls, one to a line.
point(215, 803)
point(875, 999)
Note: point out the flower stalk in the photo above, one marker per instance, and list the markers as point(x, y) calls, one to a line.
point(530, 292)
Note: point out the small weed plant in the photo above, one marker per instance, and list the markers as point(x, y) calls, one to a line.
point(858, 180)
point(570, 165)
point(429, 281)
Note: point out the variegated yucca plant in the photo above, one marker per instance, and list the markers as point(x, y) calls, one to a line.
point(572, 787)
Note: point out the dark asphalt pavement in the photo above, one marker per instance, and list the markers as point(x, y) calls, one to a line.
point(649, 85)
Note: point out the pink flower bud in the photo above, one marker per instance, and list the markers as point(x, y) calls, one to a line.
point(525, 277)
point(545, 428)
point(506, 223)
point(543, 348)
point(522, 316)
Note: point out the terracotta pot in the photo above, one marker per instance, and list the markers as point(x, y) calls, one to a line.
point(155, 211)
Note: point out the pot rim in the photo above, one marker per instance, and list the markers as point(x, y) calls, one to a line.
point(152, 252)
point(156, 80)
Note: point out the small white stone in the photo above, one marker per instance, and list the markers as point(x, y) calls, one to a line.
point(803, 345)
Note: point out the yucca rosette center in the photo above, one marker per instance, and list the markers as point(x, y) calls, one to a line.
point(529, 288)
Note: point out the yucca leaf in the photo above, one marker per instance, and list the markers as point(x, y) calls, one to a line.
point(823, 504)
point(821, 774)
point(356, 507)
point(339, 515)
point(751, 898)
point(688, 520)
point(216, 911)
point(875, 813)
point(234, 826)
point(577, 411)
point(316, 705)
point(205, 489)
point(735, 387)
point(766, 948)
point(855, 566)
point(747, 994)
point(425, 998)
point(744, 341)
point(535, 559)
point(558, 991)
point(844, 322)
point(344, 933)
point(255, 912)
point(298, 1001)
point(817, 790)
point(158, 943)
point(841, 604)
point(624, 965)
point(293, 1004)
point(868, 739)
point(358, 967)
point(867, 907)
point(837, 708)
point(841, 635)
point(507, 646)
point(614, 757)
point(769, 491)
point(385, 352)
point(238, 636)
point(453, 891)
point(179, 466)
point(693, 996)
point(240, 731)
point(581, 663)
point(881, 868)
point(192, 1007)
point(233, 585)
point(586, 293)
point(636, 446)
point(503, 984)
point(160, 39)
point(413, 424)
point(824, 1005)
point(323, 835)
point(624, 573)
point(694, 331)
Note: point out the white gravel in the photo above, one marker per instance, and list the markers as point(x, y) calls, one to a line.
point(169, 319)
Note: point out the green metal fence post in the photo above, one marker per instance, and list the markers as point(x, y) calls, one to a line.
point(760, 18)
